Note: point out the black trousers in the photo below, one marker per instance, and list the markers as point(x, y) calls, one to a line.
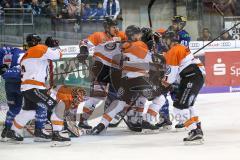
point(33, 97)
point(129, 89)
point(191, 83)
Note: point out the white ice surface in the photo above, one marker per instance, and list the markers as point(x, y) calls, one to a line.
point(220, 115)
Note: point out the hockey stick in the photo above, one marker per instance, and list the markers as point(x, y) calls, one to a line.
point(149, 11)
point(216, 38)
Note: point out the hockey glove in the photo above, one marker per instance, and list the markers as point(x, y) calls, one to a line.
point(3, 69)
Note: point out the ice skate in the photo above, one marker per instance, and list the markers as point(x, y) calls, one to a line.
point(149, 128)
point(98, 129)
point(180, 127)
point(84, 125)
point(60, 139)
point(13, 136)
point(4, 133)
point(165, 124)
point(41, 135)
point(195, 136)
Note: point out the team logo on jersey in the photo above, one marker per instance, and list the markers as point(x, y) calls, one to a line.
point(189, 85)
point(110, 46)
point(120, 92)
point(168, 70)
point(50, 102)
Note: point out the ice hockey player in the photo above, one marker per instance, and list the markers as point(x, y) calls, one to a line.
point(68, 98)
point(154, 42)
point(184, 69)
point(37, 101)
point(104, 46)
point(178, 24)
point(134, 83)
point(11, 72)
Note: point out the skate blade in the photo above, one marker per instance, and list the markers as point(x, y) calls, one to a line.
point(11, 141)
point(149, 131)
point(195, 142)
point(180, 129)
point(168, 127)
point(60, 144)
point(38, 139)
point(4, 139)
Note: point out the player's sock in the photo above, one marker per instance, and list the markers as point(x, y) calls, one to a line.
point(41, 116)
point(11, 114)
point(41, 135)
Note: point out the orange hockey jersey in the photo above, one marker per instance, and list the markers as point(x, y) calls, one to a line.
point(138, 58)
point(178, 58)
point(35, 64)
point(104, 47)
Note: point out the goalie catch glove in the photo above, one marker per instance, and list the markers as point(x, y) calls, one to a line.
point(83, 55)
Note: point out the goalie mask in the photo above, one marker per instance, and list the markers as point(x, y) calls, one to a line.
point(78, 95)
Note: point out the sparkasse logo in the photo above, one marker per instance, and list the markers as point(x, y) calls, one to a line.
point(219, 69)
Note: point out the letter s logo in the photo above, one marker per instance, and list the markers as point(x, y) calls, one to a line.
point(219, 69)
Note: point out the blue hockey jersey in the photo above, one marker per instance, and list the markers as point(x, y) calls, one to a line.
point(184, 38)
point(10, 56)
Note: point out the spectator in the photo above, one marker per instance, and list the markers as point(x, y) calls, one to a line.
point(44, 6)
point(87, 12)
point(61, 9)
point(206, 35)
point(53, 9)
point(7, 3)
point(36, 9)
point(112, 8)
point(99, 12)
point(72, 8)
point(1, 12)
point(226, 36)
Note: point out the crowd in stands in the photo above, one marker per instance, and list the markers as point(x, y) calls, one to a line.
point(206, 36)
point(86, 9)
